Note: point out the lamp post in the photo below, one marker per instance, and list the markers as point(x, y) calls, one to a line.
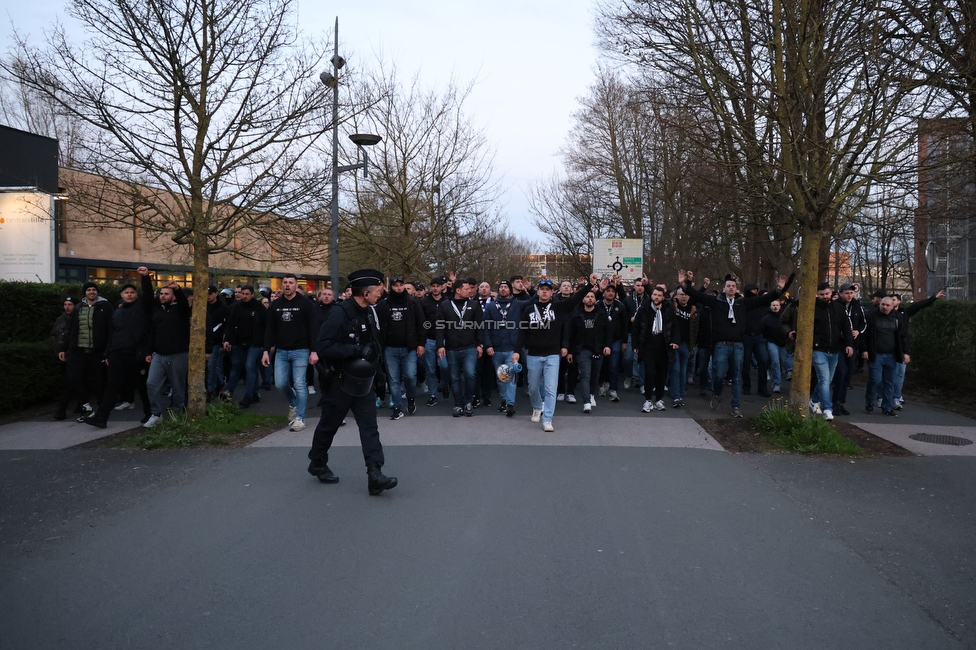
point(331, 79)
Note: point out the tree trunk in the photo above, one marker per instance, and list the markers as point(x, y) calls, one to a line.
point(807, 294)
point(197, 372)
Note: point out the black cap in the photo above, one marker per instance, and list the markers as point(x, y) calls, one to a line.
point(365, 278)
point(440, 279)
point(845, 287)
point(71, 299)
point(880, 293)
point(88, 285)
point(505, 282)
point(211, 290)
point(396, 278)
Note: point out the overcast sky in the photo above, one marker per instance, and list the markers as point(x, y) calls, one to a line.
point(531, 60)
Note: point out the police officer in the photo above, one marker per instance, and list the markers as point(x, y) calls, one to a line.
point(350, 342)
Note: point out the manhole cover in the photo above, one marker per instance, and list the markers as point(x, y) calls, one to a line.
point(941, 440)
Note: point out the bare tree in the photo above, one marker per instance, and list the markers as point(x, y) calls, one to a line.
point(429, 200)
point(806, 93)
point(201, 112)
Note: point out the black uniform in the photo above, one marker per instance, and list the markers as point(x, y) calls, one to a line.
point(349, 332)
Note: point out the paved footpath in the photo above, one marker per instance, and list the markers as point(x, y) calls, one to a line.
point(627, 531)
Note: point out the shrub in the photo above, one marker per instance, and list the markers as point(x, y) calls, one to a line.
point(222, 422)
point(795, 431)
point(31, 374)
point(944, 345)
point(30, 308)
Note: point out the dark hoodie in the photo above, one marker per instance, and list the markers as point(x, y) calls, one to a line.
point(401, 321)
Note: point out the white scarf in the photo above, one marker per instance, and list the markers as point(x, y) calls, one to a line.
point(658, 326)
point(731, 302)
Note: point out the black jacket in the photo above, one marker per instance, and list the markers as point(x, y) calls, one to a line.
point(455, 333)
point(641, 336)
point(587, 330)
point(350, 332)
point(901, 335)
point(831, 327)
point(401, 321)
point(216, 317)
point(291, 324)
point(245, 323)
point(723, 327)
point(541, 326)
point(101, 326)
point(169, 332)
point(618, 319)
point(430, 306)
point(130, 328)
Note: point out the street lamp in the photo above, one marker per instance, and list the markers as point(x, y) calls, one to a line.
point(331, 79)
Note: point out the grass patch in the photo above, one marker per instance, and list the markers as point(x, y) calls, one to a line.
point(795, 431)
point(221, 426)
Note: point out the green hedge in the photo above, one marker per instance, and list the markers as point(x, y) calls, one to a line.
point(30, 308)
point(944, 345)
point(31, 375)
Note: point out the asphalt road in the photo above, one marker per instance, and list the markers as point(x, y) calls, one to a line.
point(485, 547)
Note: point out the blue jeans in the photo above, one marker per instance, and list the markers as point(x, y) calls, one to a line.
point(290, 367)
point(244, 360)
point(726, 356)
point(506, 389)
point(824, 365)
point(590, 373)
point(899, 379)
point(704, 357)
point(402, 366)
point(612, 364)
point(842, 377)
point(881, 380)
point(755, 345)
point(432, 361)
point(778, 359)
point(462, 364)
point(215, 369)
point(543, 380)
point(679, 372)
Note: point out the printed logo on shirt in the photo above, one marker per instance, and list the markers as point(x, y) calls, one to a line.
point(286, 316)
point(397, 316)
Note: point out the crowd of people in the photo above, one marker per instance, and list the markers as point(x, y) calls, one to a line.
point(571, 342)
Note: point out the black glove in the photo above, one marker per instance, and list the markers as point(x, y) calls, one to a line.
point(369, 353)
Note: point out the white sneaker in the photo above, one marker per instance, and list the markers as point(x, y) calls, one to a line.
point(879, 402)
point(570, 398)
point(587, 407)
point(592, 400)
point(626, 383)
point(899, 404)
point(292, 413)
point(561, 397)
point(297, 424)
point(311, 390)
point(815, 408)
point(613, 396)
point(547, 427)
point(775, 388)
point(124, 406)
point(828, 415)
point(659, 405)
point(648, 405)
point(604, 387)
point(536, 415)
point(152, 421)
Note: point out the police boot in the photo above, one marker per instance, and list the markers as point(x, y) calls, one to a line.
point(377, 481)
point(320, 470)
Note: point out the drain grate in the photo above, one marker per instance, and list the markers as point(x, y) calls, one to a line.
point(941, 440)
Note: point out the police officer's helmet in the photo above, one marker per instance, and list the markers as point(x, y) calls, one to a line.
point(265, 291)
point(357, 377)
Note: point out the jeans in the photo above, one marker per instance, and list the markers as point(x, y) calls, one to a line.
point(433, 362)
point(171, 367)
point(881, 380)
point(728, 357)
point(778, 359)
point(402, 366)
point(290, 367)
point(824, 364)
point(215, 369)
point(899, 379)
point(244, 359)
point(589, 370)
point(755, 345)
point(506, 389)
point(842, 377)
point(679, 372)
point(612, 365)
point(543, 379)
point(462, 364)
point(704, 376)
